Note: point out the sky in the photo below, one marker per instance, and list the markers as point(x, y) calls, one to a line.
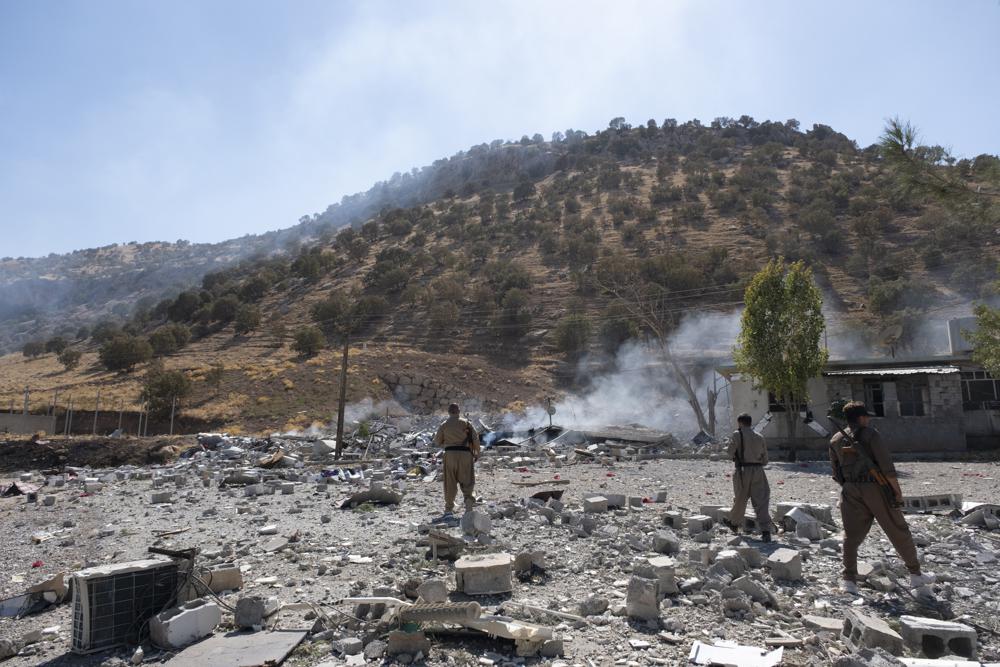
point(136, 121)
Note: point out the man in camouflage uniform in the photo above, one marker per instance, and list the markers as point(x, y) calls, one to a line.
point(748, 450)
point(461, 450)
point(859, 460)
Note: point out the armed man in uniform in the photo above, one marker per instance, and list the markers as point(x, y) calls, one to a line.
point(870, 491)
point(461, 450)
point(748, 451)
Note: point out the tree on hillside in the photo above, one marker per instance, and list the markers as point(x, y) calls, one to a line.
point(247, 319)
point(308, 341)
point(779, 344)
point(56, 345)
point(70, 358)
point(124, 353)
point(162, 388)
point(33, 348)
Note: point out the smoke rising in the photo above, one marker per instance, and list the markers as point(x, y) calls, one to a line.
point(638, 388)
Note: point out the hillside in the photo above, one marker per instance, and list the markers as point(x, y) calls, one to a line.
point(490, 275)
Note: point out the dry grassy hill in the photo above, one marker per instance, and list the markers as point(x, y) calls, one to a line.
point(471, 293)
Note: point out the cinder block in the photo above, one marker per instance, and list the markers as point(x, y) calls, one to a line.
point(731, 560)
point(699, 523)
point(595, 504)
point(252, 611)
point(287, 488)
point(159, 497)
point(642, 600)
point(224, 577)
point(714, 511)
point(946, 502)
point(666, 542)
point(180, 626)
point(674, 519)
point(785, 564)
point(661, 568)
point(486, 574)
point(936, 638)
point(861, 631)
point(48, 501)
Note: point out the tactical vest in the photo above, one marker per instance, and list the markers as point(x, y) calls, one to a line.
point(855, 463)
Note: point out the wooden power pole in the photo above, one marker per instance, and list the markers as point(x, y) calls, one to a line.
point(343, 399)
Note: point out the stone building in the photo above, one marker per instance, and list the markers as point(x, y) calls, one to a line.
point(929, 405)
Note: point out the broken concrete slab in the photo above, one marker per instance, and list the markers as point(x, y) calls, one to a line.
point(727, 654)
point(410, 643)
point(487, 574)
point(252, 612)
point(433, 590)
point(595, 505)
point(379, 496)
point(823, 623)
point(240, 649)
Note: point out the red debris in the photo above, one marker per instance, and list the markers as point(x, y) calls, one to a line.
point(37, 563)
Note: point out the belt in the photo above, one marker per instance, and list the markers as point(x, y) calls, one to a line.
point(865, 479)
point(749, 465)
point(457, 448)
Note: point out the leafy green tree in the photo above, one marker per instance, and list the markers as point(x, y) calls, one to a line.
point(618, 327)
point(985, 338)
point(247, 319)
point(104, 331)
point(56, 344)
point(308, 341)
point(33, 348)
point(184, 306)
point(781, 330)
point(124, 353)
point(333, 314)
point(515, 313)
point(70, 358)
point(162, 387)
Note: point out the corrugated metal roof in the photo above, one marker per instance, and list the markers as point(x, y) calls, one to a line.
point(920, 370)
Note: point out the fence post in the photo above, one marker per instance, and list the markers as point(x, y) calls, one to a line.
point(97, 409)
point(173, 407)
point(121, 413)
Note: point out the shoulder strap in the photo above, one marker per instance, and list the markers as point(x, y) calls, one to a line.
point(866, 451)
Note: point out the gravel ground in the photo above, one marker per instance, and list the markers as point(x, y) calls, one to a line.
point(117, 524)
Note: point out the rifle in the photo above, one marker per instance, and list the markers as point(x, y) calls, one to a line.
point(837, 407)
point(739, 452)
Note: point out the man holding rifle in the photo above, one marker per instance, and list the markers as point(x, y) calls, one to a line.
point(869, 491)
point(748, 451)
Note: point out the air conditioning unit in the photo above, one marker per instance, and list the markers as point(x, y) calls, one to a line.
point(112, 604)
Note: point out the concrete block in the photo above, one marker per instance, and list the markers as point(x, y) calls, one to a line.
point(183, 625)
point(615, 500)
point(936, 638)
point(48, 501)
point(752, 556)
point(861, 631)
point(717, 512)
point(410, 643)
point(754, 590)
point(666, 542)
point(785, 564)
point(287, 488)
point(947, 502)
point(595, 504)
point(674, 519)
point(823, 623)
point(160, 497)
point(348, 646)
point(224, 577)
point(642, 600)
point(702, 555)
point(486, 574)
point(732, 561)
point(433, 590)
point(699, 523)
point(662, 568)
point(810, 530)
point(251, 612)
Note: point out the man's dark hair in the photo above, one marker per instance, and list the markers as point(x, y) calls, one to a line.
point(854, 411)
point(745, 419)
point(453, 409)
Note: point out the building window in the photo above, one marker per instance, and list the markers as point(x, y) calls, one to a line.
point(980, 391)
point(774, 405)
point(875, 397)
point(913, 394)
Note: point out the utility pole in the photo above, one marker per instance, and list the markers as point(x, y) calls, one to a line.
point(145, 409)
point(173, 406)
point(343, 399)
point(97, 409)
point(55, 399)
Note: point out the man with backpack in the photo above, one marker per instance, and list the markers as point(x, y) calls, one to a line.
point(863, 468)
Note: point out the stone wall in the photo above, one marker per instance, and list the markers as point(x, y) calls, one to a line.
point(26, 424)
point(420, 394)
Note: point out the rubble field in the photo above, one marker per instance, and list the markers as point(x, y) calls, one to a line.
point(616, 562)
